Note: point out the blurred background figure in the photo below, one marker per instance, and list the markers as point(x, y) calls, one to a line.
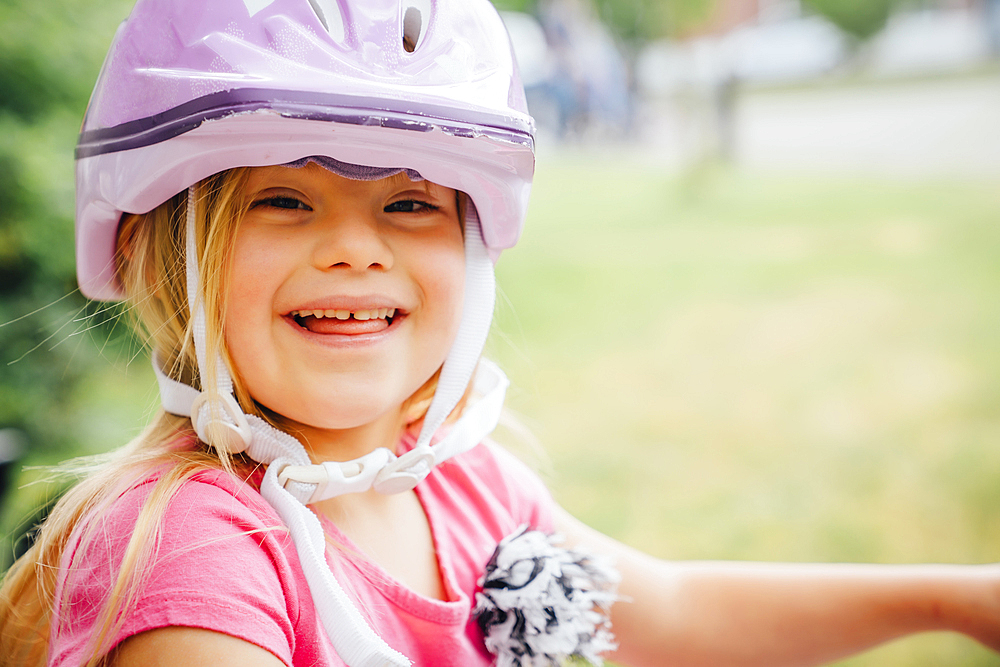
point(575, 77)
point(993, 24)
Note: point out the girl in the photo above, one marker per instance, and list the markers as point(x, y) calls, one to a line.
point(301, 199)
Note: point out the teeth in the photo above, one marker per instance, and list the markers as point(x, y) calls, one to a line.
point(361, 315)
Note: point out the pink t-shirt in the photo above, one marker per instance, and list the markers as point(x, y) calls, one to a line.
point(226, 563)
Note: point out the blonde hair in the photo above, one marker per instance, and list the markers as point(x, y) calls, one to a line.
point(150, 262)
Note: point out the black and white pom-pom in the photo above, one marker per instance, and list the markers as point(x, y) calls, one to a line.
point(541, 604)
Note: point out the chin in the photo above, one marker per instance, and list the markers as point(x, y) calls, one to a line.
point(341, 416)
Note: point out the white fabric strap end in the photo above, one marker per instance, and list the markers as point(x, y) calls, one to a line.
point(354, 640)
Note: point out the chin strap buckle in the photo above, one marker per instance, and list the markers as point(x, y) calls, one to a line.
point(380, 470)
point(231, 435)
point(405, 472)
point(335, 478)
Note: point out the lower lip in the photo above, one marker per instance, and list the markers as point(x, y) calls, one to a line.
point(346, 340)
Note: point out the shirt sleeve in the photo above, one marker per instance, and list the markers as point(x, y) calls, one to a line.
point(523, 491)
point(219, 565)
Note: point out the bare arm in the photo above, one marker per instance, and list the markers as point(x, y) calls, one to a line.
point(778, 615)
point(191, 647)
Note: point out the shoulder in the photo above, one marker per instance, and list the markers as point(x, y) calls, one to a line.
point(490, 474)
point(215, 499)
point(205, 552)
point(199, 495)
point(496, 463)
point(195, 513)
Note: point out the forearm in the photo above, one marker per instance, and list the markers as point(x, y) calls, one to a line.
point(773, 615)
point(781, 615)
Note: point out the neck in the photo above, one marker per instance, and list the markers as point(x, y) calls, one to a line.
point(349, 443)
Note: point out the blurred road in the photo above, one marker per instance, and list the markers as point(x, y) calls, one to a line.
point(945, 127)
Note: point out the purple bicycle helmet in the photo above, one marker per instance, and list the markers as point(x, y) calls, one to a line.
point(191, 88)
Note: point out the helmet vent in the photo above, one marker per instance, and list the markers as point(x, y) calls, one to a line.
point(329, 14)
point(414, 25)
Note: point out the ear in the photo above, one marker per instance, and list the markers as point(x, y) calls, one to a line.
point(462, 203)
point(128, 224)
point(132, 251)
point(127, 247)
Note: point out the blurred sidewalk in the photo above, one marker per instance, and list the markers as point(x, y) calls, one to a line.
point(934, 127)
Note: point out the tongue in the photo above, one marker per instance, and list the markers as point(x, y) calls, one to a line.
point(351, 327)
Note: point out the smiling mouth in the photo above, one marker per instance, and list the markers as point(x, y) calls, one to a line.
point(345, 322)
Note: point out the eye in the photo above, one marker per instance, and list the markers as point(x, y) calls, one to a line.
point(409, 206)
point(288, 203)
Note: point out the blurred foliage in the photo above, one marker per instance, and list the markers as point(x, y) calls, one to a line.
point(640, 20)
point(634, 21)
point(859, 18)
point(50, 54)
point(515, 5)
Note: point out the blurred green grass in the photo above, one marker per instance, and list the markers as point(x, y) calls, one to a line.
point(728, 366)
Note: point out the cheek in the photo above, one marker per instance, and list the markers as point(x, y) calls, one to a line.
point(254, 270)
point(244, 283)
point(444, 282)
point(259, 262)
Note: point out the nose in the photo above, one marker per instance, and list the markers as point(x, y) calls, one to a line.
point(352, 240)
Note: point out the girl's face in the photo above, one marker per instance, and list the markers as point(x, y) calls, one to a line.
point(345, 295)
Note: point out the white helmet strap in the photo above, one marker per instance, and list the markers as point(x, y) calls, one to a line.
point(215, 414)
